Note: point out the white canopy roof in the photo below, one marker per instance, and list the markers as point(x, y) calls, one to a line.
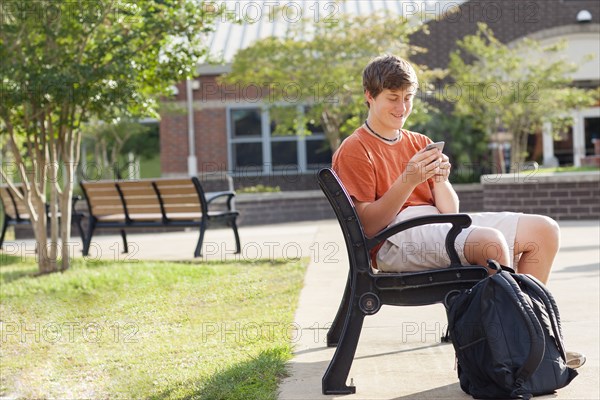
point(266, 18)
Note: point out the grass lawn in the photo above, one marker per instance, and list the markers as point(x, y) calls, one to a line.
point(568, 169)
point(146, 330)
point(150, 168)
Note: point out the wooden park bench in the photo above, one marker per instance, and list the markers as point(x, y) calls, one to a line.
point(366, 290)
point(155, 203)
point(14, 209)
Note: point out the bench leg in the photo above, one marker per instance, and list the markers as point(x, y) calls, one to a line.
point(78, 221)
point(124, 237)
point(87, 239)
point(335, 331)
point(334, 380)
point(238, 248)
point(198, 251)
point(4, 228)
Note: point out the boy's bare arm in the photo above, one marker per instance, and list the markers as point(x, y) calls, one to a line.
point(378, 214)
point(445, 198)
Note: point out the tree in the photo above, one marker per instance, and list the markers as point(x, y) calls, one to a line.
point(320, 63)
point(64, 62)
point(506, 89)
point(466, 145)
point(113, 142)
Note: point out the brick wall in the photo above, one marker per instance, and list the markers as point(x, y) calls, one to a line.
point(470, 196)
point(286, 182)
point(509, 19)
point(309, 205)
point(173, 143)
point(211, 141)
point(272, 208)
point(565, 196)
point(210, 124)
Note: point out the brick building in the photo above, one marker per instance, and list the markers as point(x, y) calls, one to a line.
point(213, 128)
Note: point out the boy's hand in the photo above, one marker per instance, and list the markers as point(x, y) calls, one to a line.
point(444, 170)
point(424, 165)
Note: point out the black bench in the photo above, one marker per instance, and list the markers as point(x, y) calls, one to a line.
point(153, 203)
point(366, 290)
point(14, 208)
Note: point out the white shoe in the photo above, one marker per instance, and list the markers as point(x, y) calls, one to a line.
point(575, 360)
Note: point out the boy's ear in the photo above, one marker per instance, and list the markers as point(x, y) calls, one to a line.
point(368, 96)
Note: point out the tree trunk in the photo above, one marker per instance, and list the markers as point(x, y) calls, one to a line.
point(515, 151)
point(518, 151)
point(66, 208)
point(34, 196)
point(331, 128)
point(46, 264)
point(54, 213)
point(70, 156)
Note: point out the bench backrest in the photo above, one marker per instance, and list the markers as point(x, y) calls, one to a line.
point(183, 195)
point(169, 196)
point(103, 198)
point(13, 206)
point(347, 217)
point(139, 197)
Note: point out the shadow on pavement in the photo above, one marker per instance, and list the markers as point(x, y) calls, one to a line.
point(595, 267)
point(452, 391)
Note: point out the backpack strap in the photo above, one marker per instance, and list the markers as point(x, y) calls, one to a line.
point(540, 290)
point(536, 333)
point(495, 265)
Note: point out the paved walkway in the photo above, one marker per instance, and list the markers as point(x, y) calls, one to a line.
point(289, 241)
point(399, 355)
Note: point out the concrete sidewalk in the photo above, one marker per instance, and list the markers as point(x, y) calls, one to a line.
point(400, 356)
point(287, 241)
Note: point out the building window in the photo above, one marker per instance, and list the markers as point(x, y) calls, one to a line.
point(257, 144)
point(248, 155)
point(246, 122)
point(246, 133)
point(318, 153)
point(284, 155)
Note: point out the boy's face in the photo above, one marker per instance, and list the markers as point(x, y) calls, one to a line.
point(391, 107)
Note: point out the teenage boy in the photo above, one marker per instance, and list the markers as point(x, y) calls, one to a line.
point(392, 177)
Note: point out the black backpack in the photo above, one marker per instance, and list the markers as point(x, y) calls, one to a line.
point(507, 336)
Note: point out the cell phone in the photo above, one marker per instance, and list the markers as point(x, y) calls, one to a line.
point(436, 145)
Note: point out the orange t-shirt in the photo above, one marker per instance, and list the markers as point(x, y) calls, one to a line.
point(368, 167)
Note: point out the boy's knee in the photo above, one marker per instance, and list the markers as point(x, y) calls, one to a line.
point(486, 236)
point(552, 226)
point(485, 243)
point(548, 229)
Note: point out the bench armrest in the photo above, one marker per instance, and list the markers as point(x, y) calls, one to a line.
point(210, 196)
point(76, 214)
point(458, 221)
point(74, 200)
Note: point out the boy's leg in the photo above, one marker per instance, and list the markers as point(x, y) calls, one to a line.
point(538, 239)
point(492, 236)
point(534, 237)
point(485, 243)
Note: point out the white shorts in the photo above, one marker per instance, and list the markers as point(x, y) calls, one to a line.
point(423, 247)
